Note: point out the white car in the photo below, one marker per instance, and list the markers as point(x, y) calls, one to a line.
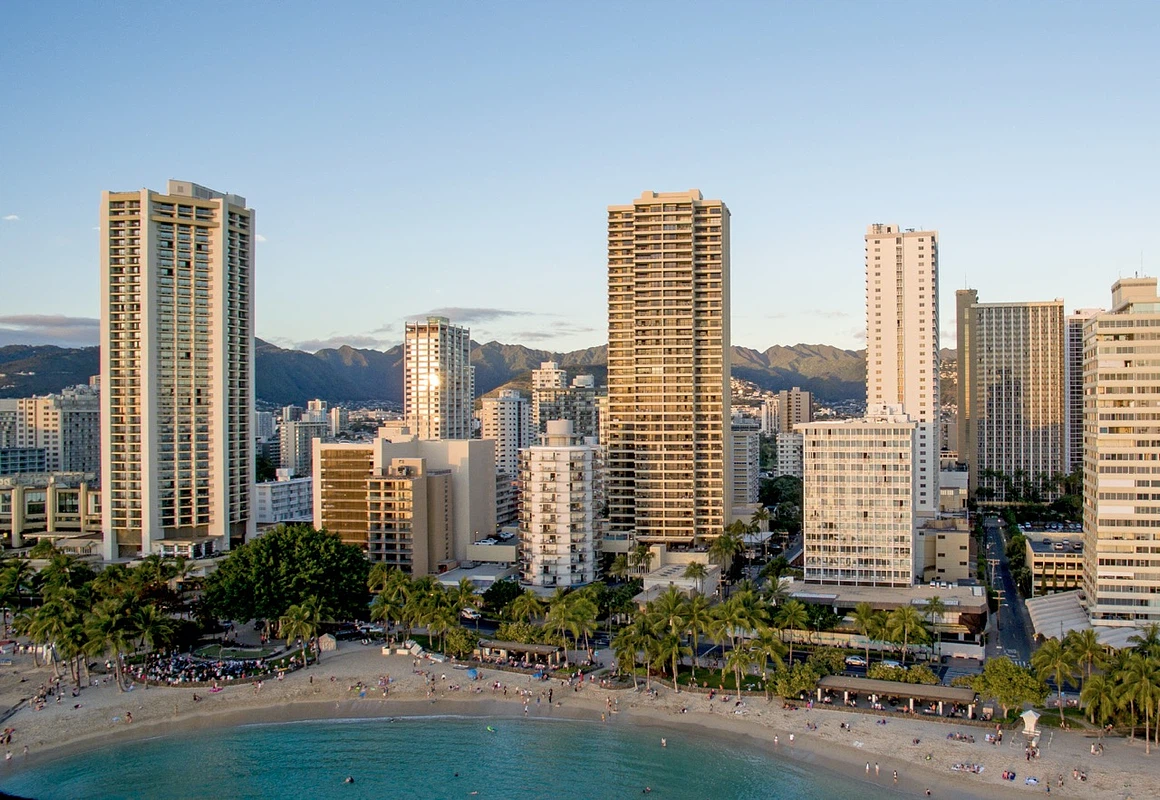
point(470, 613)
point(855, 661)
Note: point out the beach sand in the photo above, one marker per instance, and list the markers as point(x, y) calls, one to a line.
point(1122, 772)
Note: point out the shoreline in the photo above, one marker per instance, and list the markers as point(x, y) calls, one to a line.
point(324, 693)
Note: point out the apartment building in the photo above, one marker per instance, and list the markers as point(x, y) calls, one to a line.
point(553, 398)
point(858, 491)
point(298, 441)
point(1073, 368)
point(286, 499)
point(67, 426)
point(746, 455)
point(177, 370)
point(506, 419)
point(53, 506)
point(669, 452)
point(438, 379)
point(902, 341)
point(1121, 457)
point(263, 425)
point(558, 524)
point(794, 407)
point(788, 448)
point(1014, 391)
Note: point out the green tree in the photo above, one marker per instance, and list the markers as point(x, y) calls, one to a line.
point(627, 644)
point(283, 567)
point(460, 642)
point(767, 647)
point(500, 594)
point(865, 620)
point(1053, 660)
point(298, 624)
point(697, 571)
point(526, 606)
point(905, 625)
point(792, 616)
point(1086, 649)
point(109, 632)
point(1099, 697)
point(1140, 682)
point(154, 627)
point(698, 621)
point(935, 608)
point(740, 659)
point(620, 567)
point(1009, 684)
point(669, 648)
point(724, 549)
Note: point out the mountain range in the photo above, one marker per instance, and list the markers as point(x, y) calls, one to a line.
point(350, 375)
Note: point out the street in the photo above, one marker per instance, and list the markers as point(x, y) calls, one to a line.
point(1013, 621)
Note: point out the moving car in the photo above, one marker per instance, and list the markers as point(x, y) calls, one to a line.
point(855, 661)
point(470, 613)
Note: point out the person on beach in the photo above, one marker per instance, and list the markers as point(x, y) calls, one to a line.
point(875, 769)
point(896, 777)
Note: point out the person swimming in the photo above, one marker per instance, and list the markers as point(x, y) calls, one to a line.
point(349, 779)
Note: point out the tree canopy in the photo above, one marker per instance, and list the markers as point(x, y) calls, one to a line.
point(284, 567)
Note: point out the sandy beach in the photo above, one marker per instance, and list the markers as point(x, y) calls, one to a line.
point(325, 692)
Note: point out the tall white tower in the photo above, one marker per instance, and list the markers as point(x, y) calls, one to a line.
point(902, 342)
point(438, 379)
point(177, 370)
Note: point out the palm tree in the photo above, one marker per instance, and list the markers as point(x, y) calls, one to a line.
point(154, 627)
point(723, 549)
point(698, 620)
point(1086, 649)
point(865, 620)
point(773, 571)
point(15, 581)
point(620, 567)
point(670, 648)
point(792, 616)
point(669, 609)
point(1053, 660)
point(935, 608)
point(108, 632)
point(378, 576)
point(1147, 641)
point(582, 619)
point(696, 571)
point(443, 618)
point(760, 516)
point(626, 645)
point(526, 606)
point(768, 647)
point(386, 610)
point(740, 659)
point(905, 624)
point(301, 622)
point(1099, 697)
point(1141, 684)
point(464, 595)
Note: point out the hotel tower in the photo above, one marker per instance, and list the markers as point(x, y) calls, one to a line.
point(177, 370)
point(902, 342)
point(669, 455)
point(438, 379)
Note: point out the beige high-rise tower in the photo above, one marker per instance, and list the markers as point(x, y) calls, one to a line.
point(177, 370)
point(902, 341)
point(669, 455)
point(438, 379)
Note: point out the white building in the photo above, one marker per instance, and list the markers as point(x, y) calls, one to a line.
point(438, 379)
point(286, 499)
point(177, 369)
point(788, 447)
point(549, 376)
point(1121, 457)
point(859, 516)
point(507, 420)
point(339, 421)
point(558, 525)
point(298, 444)
point(746, 461)
point(769, 417)
point(67, 426)
point(263, 425)
point(902, 341)
point(316, 411)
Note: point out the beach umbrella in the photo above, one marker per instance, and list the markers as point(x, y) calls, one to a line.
point(473, 674)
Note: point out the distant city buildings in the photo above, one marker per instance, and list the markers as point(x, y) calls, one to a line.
point(286, 499)
point(1012, 379)
point(669, 455)
point(558, 523)
point(438, 379)
point(902, 341)
point(858, 489)
point(263, 425)
point(66, 426)
point(794, 407)
point(297, 444)
point(788, 450)
point(770, 421)
point(506, 419)
point(553, 398)
point(177, 370)
point(1073, 366)
point(1121, 502)
point(746, 455)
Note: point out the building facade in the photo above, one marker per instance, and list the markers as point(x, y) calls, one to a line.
point(438, 379)
point(53, 506)
point(794, 407)
point(1073, 367)
point(67, 426)
point(788, 447)
point(287, 499)
point(1015, 411)
point(858, 490)
point(746, 443)
point(1121, 457)
point(177, 369)
point(669, 465)
point(506, 419)
point(902, 341)
point(297, 437)
point(558, 522)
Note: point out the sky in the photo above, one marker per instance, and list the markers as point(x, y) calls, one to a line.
point(458, 158)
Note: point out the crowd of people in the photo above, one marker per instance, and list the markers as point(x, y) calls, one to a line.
point(182, 669)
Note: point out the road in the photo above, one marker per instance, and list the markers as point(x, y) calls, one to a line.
point(1014, 623)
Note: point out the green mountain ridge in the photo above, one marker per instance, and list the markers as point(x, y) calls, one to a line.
point(352, 375)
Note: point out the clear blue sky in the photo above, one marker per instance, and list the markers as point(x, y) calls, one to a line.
point(408, 157)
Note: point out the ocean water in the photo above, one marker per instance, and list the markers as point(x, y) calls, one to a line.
point(419, 758)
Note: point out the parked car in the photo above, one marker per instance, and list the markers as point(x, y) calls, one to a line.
point(891, 663)
point(470, 613)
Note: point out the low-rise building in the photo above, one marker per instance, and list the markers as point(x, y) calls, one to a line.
point(1055, 559)
point(55, 506)
point(788, 447)
point(286, 499)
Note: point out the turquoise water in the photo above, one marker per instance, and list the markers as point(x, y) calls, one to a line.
point(418, 758)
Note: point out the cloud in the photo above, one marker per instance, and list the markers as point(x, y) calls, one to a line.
point(827, 314)
point(860, 334)
point(388, 327)
point(49, 329)
point(10, 218)
point(356, 340)
point(261, 238)
point(460, 316)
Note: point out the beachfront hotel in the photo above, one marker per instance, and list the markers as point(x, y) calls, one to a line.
point(902, 341)
point(1121, 475)
point(1012, 375)
point(438, 379)
point(177, 370)
point(858, 490)
point(668, 423)
point(414, 504)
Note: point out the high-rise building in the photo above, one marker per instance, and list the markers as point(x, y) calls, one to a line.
point(177, 369)
point(1073, 367)
point(769, 416)
point(669, 464)
point(577, 403)
point(902, 341)
point(438, 379)
point(965, 299)
point(67, 426)
point(794, 407)
point(549, 376)
point(339, 420)
point(297, 451)
point(316, 411)
point(1015, 410)
point(1121, 457)
point(746, 461)
point(414, 504)
point(263, 425)
point(788, 447)
point(507, 421)
point(858, 492)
